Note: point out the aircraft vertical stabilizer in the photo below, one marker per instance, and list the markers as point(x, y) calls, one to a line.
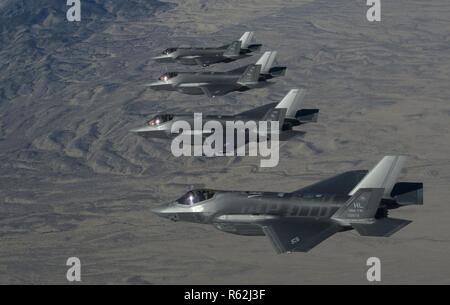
point(246, 39)
point(233, 49)
point(292, 102)
point(383, 175)
point(266, 61)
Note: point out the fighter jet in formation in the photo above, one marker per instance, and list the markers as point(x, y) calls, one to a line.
point(300, 220)
point(220, 83)
point(207, 56)
point(288, 113)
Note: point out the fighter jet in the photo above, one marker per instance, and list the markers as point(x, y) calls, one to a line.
point(288, 112)
point(207, 56)
point(300, 220)
point(220, 83)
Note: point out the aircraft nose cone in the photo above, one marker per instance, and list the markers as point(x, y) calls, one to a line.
point(154, 84)
point(160, 85)
point(163, 59)
point(143, 129)
point(159, 211)
point(165, 212)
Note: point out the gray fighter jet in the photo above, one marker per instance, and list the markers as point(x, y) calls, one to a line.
point(207, 56)
point(220, 83)
point(300, 220)
point(288, 113)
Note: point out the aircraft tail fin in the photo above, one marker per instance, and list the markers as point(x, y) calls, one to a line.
point(276, 115)
point(295, 115)
point(262, 68)
point(266, 61)
point(292, 102)
point(383, 175)
point(250, 76)
point(360, 213)
point(361, 207)
point(233, 49)
point(383, 227)
point(246, 39)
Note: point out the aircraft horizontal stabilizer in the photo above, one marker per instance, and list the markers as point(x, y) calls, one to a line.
point(384, 227)
point(254, 47)
point(277, 71)
point(408, 193)
point(307, 115)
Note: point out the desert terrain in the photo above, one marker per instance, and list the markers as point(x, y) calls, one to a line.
point(75, 182)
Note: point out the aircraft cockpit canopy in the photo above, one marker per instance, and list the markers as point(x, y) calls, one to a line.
point(169, 51)
point(196, 196)
point(168, 75)
point(160, 119)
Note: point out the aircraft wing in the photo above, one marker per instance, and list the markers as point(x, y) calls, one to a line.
point(189, 60)
point(257, 113)
point(197, 132)
point(298, 234)
point(239, 70)
point(213, 90)
point(198, 60)
point(208, 89)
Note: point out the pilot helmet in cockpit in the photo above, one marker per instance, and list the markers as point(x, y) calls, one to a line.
point(160, 119)
point(169, 51)
point(167, 76)
point(195, 196)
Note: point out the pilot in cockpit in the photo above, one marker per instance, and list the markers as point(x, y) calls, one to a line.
point(160, 119)
point(166, 76)
point(169, 51)
point(195, 196)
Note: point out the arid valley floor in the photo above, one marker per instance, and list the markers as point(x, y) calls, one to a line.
point(75, 182)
